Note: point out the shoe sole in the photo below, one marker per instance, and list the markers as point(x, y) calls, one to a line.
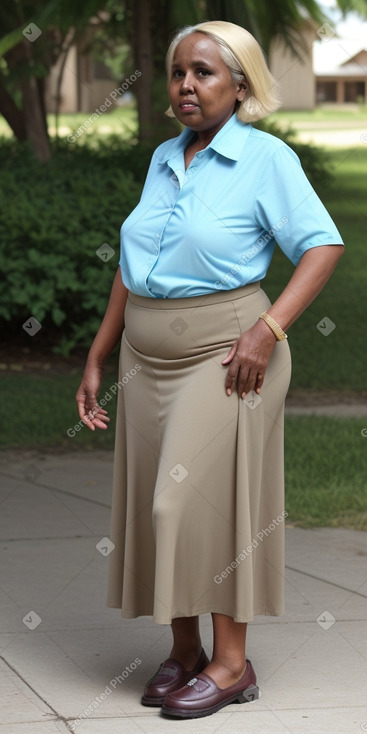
point(250, 694)
point(146, 701)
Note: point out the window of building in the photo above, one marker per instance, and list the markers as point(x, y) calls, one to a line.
point(354, 91)
point(325, 92)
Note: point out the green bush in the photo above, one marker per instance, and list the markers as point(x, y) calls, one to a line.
point(53, 219)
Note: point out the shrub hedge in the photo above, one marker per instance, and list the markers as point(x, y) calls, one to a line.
point(53, 219)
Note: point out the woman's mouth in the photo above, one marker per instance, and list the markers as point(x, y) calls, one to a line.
point(187, 106)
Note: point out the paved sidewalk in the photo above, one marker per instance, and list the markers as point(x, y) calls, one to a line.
point(64, 653)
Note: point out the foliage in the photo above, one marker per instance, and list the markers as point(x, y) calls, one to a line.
point(355, 6)
point(266, 20)
point(34, 36)
point(53, 219)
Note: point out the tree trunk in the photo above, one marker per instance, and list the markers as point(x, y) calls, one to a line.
point(13, 115)
point(143, 57)
point(163, 26)
point(33, 113)
point(35, 120)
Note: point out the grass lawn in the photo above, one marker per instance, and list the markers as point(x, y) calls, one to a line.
point(43, 409)
point(326, 471)
point(343, 117)
point(120, 121)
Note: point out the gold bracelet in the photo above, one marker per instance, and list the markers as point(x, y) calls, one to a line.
point(274, 326)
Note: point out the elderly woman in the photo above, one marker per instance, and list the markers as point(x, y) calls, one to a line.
point(198, 498)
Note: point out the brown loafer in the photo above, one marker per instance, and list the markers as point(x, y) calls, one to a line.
point(201, 695)
point(170, 676)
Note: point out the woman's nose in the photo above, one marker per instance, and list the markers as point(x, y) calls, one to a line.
point(187, 82)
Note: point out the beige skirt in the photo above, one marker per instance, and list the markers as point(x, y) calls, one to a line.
point(198, 493)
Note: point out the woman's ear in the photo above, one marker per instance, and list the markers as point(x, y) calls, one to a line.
point(242, 89)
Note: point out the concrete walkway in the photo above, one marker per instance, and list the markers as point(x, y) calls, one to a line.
point(70, 664)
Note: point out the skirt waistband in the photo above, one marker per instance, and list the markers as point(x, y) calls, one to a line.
point(194, 301)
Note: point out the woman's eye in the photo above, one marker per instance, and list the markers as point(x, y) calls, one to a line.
point(177, 73)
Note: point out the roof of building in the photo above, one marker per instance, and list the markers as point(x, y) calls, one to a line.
point(336, 57)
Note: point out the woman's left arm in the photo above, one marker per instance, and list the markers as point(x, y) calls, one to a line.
point(250, 354)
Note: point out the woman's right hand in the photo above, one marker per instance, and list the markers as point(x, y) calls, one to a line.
point(89, 411)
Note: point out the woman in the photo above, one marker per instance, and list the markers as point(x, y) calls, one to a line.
point(197, 516)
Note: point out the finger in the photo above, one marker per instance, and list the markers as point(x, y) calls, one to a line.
point(98, 412)
point(247, 382)
point(88, 416)
point(97, 408)
point(103, 418)
point(231, 354)
point(96, 417)
point(99, 424)
point(259, 382)
point(231, 378)
point(244, 379)
point(87, 422)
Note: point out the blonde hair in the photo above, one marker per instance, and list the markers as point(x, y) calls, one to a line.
point(245, 60)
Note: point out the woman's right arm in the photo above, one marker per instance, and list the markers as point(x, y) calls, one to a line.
point(106, 339)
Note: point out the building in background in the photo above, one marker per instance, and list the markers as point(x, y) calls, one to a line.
point(295, 75)
point(340, 68)
point(86, 83)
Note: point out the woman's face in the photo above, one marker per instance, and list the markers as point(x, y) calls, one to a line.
point(201, 90)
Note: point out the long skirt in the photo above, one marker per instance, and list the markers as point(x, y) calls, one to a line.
point(198, 491)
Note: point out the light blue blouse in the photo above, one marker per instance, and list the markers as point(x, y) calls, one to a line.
point(215, 225)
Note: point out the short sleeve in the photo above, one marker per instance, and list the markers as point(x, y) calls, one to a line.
point(288, 207)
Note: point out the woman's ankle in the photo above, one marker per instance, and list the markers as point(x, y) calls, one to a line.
point(187, 655)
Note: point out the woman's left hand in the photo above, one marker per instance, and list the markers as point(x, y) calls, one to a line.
point(248, 359)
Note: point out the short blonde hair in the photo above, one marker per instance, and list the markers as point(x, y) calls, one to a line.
point(245, 60)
